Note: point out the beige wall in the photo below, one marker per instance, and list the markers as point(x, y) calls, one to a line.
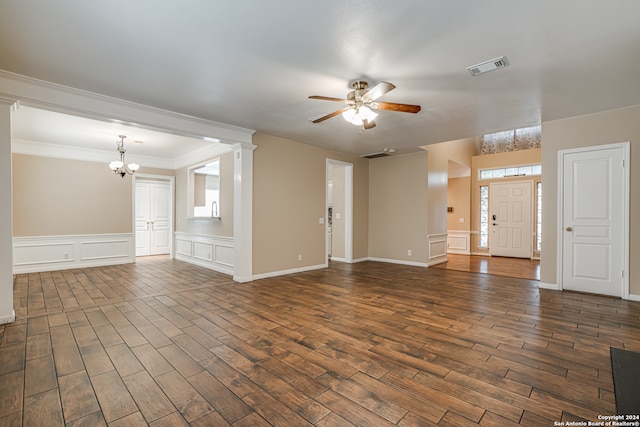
point(53, 197)
point(596, 129)
point(459, 151)
point(222, 227)
point(459, 198)
point(398, 207)
point(289, 197)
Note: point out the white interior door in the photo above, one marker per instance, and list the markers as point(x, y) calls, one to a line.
point(593, 220)
point(152, 217)
point(160, 205)
point(511, 223)
point(142, 225)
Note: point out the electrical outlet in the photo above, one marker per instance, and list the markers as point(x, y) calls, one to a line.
point(299, 257)
point(321, 220)
point(409, 253)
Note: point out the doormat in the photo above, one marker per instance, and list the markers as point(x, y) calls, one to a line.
point(625, 366)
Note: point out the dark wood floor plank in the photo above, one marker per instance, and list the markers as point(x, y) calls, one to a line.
point(353, 344)
point(11, 398)
point(180, 360)
point(40, 376)
point(187, 400)
point(230, 406)
point(78, 398)
point(153, 403)
point(43, 409)
point(65, 351)
point(114, 398)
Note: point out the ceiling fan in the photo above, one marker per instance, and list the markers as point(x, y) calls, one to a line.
point(360, 102)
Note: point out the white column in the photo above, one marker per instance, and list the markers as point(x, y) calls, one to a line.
point(7, 313)
point(243, 212)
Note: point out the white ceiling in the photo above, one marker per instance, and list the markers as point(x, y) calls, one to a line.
point(252, 63)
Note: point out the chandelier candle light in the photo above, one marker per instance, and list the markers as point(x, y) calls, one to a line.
point(118, 166)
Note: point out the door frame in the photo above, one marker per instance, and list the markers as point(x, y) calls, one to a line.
point(625, 147)
point(172, 226)
point(348, 207)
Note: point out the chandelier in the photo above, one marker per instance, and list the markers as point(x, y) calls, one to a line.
point(118, 166)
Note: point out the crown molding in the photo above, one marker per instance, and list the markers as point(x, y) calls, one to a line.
point(68, 100)
point(43, 149)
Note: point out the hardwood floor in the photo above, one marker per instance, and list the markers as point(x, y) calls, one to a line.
point(165, 343)
point(499, 266)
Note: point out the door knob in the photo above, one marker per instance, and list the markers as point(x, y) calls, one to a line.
point(569, 228)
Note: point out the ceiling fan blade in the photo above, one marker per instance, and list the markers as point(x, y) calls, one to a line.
point(328, 98)
point(392, 106)
point(366, 124)
point(378, 90)
point(328, 116)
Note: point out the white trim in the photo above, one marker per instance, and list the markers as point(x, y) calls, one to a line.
point(398, 261)
point(437, 248)
point(243, 212)
point(64, 99)
point(285, 272)
point(212, 252)
point(8, 318)
point(459, 242)
point(431, 236)
point(348, 207)
point(633, 297)
point(625, 146)
point(552, 286)
point(50, 253)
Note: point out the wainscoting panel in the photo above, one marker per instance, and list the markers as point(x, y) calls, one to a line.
point(37, 254)
point(459, 242)
point(437, 248)
point(213, 252)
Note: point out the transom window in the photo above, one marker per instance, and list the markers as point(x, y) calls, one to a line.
point(510, 172)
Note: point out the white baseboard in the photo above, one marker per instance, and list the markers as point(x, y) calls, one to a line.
point(399, 261)
point(50, 253)
point(212, 252)
point(633, 297)
point(285, 272)
point(552, 286)
point(8, 319)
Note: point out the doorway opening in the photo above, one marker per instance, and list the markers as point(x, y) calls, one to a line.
point(153, 215)
point(339, 211)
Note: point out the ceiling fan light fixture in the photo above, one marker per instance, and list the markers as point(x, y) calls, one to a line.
point(358, 115)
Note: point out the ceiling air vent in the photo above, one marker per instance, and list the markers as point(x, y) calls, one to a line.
point(375, 155)
point(486, 66)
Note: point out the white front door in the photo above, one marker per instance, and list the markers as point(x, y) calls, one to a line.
point(152, 218)
point(510, 219)
point(593, 220)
